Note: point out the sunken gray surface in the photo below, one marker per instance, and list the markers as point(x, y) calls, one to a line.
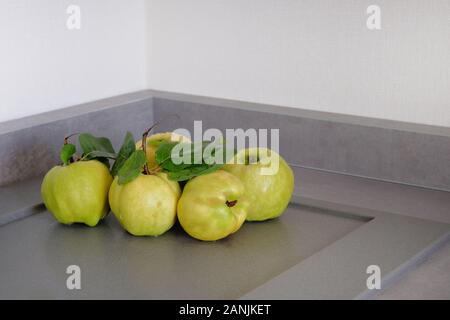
point(29, 147)
point(384, 153)
point(20, 200)
point(429, 280)
point(383, 241)
point(116, 265)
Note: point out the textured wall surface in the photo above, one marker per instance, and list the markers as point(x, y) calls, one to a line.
point(45, 66)
point(316, 55)
point(310, 54)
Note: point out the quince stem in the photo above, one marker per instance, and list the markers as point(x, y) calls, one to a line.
point(144, 147)
point(231, 204)
point(148, 171)
point(66, 138)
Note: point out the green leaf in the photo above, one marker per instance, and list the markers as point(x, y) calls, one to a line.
point(171, 167)
point(128, 147)
point(164, 151)
point(211, 169)
point(99, 154)
point(164, 159)
point(67, 151)
point(132, 167)
point(187, 173)
point(209, 152)
point(192, 151)
point(91, 145)
point(193, 171)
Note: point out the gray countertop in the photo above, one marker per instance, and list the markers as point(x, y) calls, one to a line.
point(407, 231)
point(428, 279)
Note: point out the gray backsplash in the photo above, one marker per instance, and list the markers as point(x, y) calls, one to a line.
point(404, 153)
point(31, 151)
point(378, 152)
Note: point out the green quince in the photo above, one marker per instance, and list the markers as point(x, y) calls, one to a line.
point(77, 192)
point(147, 205)
point(212, 206)
point(153, 142)
point(268, 181)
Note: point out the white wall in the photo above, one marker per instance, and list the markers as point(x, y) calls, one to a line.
point(44, 66)
point(313, 54)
